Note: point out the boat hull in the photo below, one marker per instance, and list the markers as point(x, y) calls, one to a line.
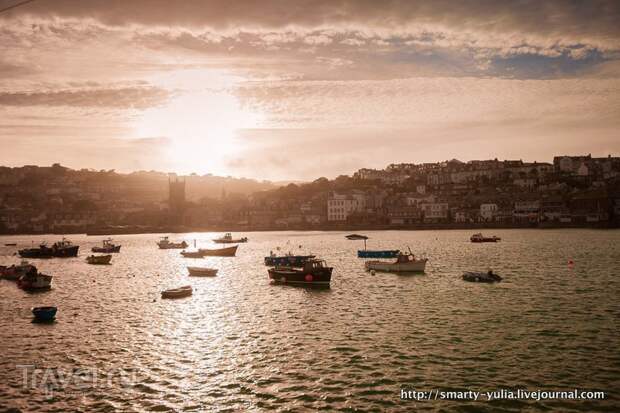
point(411, 266)
point(230, 241)
point(43, 314)
point(481, 277)
point(99, 260)
point(287, 275)
point(192, 254)
point(46, 252)
point(377, 253)
point(107, 250)
point(288, 260)
point(202, 272)
point(177, 292)
point(219, 252)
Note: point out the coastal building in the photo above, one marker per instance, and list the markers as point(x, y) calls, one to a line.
point(435, 212)
point(340, 206)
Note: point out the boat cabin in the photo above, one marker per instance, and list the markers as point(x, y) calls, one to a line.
point(314, 265)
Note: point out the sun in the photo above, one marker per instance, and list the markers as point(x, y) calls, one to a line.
point(201, 130)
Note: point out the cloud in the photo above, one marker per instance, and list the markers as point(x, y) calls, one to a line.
point(123, 98)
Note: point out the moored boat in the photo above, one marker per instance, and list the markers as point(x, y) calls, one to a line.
point(287, 260)
point(481, 277)
point(14, 272)
point(481, 238)
point(61, 249)
point(107, 247)
point(404, 263)
point(314, 273)
point(165, 244)
point(180, 292)
point(377, 253)
point(43, 314)
point(10, 244)
point(192, 254)
point(228, 239)
point(202, 271)
point(35, 281)
point(219, 252)
point(99, 259)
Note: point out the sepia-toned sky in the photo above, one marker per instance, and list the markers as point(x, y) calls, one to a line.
point(301, 89)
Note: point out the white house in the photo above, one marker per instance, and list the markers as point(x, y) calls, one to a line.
point(488, 211)
point(340, 206)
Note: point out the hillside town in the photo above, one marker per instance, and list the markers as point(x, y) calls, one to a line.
point(572, 191)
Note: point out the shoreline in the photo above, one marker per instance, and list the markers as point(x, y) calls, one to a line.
point(325, 228)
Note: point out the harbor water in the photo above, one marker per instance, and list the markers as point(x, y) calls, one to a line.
point(242, 344)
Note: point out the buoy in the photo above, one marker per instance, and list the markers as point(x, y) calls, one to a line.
point(309, 278)
point(372, 272)
point(571, 262)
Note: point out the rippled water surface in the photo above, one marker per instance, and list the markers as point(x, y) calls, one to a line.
point(241, 344)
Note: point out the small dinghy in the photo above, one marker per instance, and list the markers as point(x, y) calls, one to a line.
point(10, 244)
point(202, 272)
point(44, 314)
point(481, 277)
point(99, 259)
point(192, 254)
point(219, 252)
point(180, 292)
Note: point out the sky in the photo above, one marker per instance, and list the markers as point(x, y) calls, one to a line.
point(296, 90)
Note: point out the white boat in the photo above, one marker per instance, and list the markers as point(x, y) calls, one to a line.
point(180, 292)
point(202, 272)
point(404, 263)
point(165, 244)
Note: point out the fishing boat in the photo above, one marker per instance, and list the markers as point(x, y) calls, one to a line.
point(99, 259)
point(481, 277)
point(378, 253)
point(314, 273)
point(180, 292)
point(228, 239)
point(107, 247)
point(35, 281)
point(287, 260)
point(14, 272)
point(44, 314)
point(481, 238)
point(165, 244)
point(202, 271)
point(356, 237)
point(63, 249)
point(192, 254)
point(219, 252)
point(403, 263)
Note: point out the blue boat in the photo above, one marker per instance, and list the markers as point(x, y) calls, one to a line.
point(377, 253)
point(44, 313)
point(287, 260)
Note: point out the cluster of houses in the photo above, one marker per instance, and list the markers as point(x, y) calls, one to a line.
point(571, 191)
